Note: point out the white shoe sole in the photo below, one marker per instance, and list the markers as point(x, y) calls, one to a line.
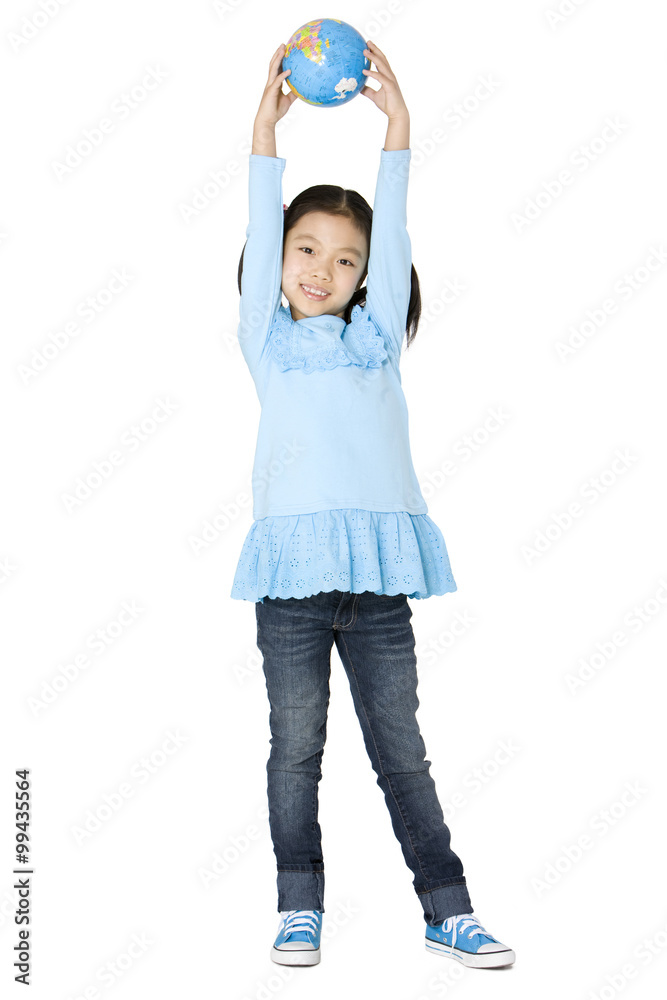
point(487, 960)
point(304, 956)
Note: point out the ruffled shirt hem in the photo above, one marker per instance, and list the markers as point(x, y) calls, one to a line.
point(348, 549)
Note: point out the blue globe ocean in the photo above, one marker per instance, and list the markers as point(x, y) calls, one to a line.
point(326, 58)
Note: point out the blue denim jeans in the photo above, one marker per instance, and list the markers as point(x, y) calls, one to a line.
point(375, 642)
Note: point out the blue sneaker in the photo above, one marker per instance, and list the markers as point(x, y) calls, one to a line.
point(298, 940)
point(462, 937)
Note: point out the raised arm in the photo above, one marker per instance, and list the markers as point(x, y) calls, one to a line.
point(262, 255)
point(390, 257)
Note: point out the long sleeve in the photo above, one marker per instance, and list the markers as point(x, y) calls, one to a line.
point(262, 258)
point(390, 260)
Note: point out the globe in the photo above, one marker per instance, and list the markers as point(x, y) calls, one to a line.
point(326, 58)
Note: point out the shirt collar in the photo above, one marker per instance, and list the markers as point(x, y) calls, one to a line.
point(324, 342)
point(322, 324)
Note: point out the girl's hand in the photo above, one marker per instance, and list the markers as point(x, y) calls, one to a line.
point(274, 103)
point(389, 97)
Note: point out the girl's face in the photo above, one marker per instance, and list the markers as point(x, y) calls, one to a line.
point(323, 252)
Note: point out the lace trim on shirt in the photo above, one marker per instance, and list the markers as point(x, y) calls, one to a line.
point(364, 345)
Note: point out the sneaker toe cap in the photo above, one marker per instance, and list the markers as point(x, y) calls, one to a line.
point(486, 949)
point(296, 946)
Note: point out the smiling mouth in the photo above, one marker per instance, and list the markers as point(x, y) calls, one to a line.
point(313, 294)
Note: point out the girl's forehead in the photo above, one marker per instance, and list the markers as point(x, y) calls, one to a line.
point(325, 228)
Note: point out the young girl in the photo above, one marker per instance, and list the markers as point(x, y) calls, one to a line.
point(341, 536)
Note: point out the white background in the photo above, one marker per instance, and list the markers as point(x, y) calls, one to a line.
point(187, 662)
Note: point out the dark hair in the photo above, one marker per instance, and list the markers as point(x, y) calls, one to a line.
point(349, 204)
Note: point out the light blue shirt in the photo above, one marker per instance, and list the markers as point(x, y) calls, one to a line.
point(333, 431)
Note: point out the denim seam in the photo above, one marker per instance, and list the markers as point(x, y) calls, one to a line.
point(355, 607)
point(398, 805)
point(448, 885)
point(301, 871)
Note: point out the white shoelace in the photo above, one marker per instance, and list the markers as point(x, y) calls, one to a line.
point(464, 921)
point(298, 920)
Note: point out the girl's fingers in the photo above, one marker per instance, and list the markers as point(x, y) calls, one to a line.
point(374, 51)
point(374, 48)
point(276, 55)
point(380, 77)
point(380, 63)
point(277, 78)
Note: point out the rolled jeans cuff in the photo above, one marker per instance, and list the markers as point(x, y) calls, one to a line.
point(445, 901)
point(300, 890)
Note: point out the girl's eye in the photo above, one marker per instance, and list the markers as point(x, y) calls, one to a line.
point(342, 258)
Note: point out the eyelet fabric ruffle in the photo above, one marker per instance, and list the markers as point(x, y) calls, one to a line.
point(348, 549)
point(296, 346)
